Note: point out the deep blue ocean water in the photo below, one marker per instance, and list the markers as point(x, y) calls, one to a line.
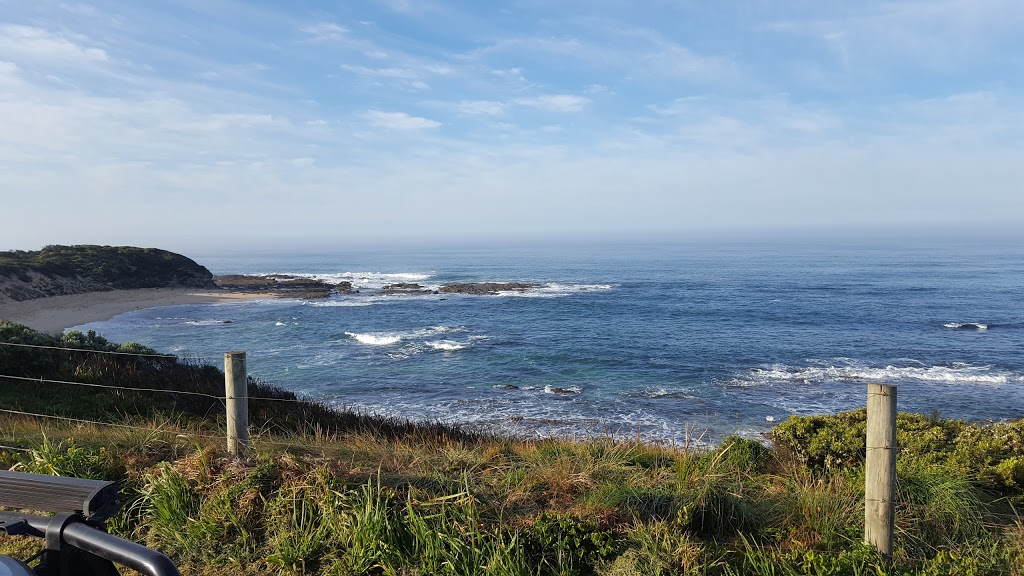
point(673, 339)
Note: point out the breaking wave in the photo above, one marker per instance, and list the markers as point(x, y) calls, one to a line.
point(361, 280)
point(378, 339)
point(956, 373)
point(420, 340)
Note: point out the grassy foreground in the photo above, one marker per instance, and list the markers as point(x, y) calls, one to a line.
point(327, 492)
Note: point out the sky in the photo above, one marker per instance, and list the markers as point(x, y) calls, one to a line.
point(186, 123)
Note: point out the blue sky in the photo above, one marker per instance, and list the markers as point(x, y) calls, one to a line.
point(197, 122)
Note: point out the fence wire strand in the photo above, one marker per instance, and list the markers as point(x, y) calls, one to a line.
point(112, 424)
point(110, 386)
point(165, 390)
point(87, 350)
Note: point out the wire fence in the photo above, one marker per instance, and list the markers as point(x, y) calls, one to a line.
point(222, 398)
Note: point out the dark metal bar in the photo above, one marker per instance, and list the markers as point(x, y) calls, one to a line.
point(120, 551)
point(107, 546)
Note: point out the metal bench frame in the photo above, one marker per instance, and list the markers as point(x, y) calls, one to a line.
point(76, 543)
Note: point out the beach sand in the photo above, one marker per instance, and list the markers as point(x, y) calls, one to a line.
point(58, 313)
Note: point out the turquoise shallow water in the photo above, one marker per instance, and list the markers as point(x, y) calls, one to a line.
point(675, 339)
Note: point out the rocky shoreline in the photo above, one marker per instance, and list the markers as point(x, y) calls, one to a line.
point(283, 285)
point(289, 286)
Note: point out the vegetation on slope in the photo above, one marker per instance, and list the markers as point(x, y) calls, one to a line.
point(329, 492)
point(56, 270)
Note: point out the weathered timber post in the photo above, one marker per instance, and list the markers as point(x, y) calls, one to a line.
point(236, 392)
point(880, 469)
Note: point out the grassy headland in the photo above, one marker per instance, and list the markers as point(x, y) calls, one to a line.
point(333, 492)
point(60, 270)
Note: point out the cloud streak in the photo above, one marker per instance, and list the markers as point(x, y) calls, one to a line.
point(399, 121)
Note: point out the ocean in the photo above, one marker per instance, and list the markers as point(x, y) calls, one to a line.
point(674, 340)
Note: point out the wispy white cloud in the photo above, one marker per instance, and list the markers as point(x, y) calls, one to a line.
point(409, 6)
point(325, 32)
point(404, 77)
point(38, 44)
point(9, 72)
point(399, 121)
point(480, 107)
point(78, 8)
point(939, 35)
point(555, 102)
point(413, 75)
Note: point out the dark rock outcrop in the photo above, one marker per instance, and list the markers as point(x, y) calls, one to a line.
point(283, 284)
point(487, 288)
point(404, 288)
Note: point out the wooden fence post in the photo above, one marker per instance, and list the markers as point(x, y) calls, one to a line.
point(880, 469)
point(236, 393)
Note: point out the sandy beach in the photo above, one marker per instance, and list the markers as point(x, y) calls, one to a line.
point(58, 313)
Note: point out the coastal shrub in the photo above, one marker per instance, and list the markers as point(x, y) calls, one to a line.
point(570, 545)
point(988, 454)
point(823, 442)
point(21, 361)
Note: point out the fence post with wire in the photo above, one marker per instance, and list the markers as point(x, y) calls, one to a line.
point(880, 469)
point(236, 394)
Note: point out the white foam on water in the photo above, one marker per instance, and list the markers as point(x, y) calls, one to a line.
point(445, 345)
point(549, 389)
point(207, 322)
point(341, 303)
point(446, 329)
point(666, 393)
point(556, 290)
point(279, 324)
point(957, 373)
point(417, 336)
point(375, 339)
point(965, 326)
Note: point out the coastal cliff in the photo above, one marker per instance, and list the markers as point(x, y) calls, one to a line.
point(63, 270)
